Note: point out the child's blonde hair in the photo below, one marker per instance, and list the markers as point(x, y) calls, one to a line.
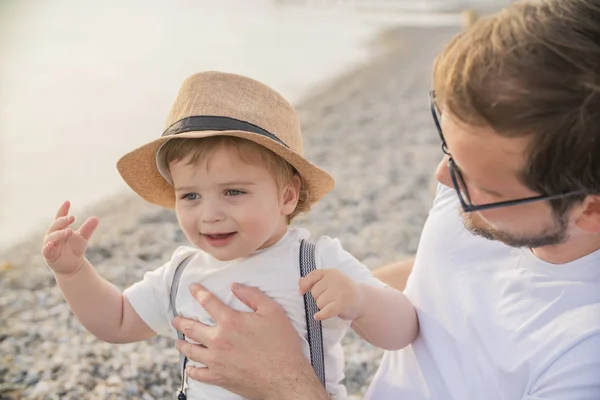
point(250, 152)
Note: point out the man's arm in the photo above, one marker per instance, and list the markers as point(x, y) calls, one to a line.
point(396, 274)
point(257, 355)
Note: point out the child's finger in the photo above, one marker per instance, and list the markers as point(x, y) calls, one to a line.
point(48, 250)
point(88, 227)
point(63, 210)
point(56, 237)
point(319, 288)
point(306, 283)
point(323, 298)
point(329, 311)
point(61, 223)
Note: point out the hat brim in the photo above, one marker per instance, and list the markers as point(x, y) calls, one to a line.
point(139, 170)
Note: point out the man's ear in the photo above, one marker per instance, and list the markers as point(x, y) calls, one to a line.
point(290, 195)
point(589, 218)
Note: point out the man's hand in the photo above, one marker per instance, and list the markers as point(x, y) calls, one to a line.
point(336, 294)
point(257, 355)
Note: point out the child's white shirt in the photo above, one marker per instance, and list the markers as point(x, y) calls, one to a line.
point(275, 271)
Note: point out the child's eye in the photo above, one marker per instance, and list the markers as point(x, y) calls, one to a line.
point(234, 192)
point(190, 196)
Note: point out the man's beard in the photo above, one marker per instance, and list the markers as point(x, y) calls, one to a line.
point(550, 236)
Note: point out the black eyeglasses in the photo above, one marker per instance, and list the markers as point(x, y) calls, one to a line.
point(459, 182)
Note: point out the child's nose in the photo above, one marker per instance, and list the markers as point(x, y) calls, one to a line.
point(211, 212)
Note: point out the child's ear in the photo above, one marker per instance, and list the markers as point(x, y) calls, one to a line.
point(290, 195)
point(589, 219)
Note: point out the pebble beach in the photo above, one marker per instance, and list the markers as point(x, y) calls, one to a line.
point(370, 128)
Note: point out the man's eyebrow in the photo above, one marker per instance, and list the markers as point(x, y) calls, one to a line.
point(483, 189)
point(489, 191)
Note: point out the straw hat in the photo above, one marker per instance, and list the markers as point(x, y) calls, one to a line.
point(222, 104)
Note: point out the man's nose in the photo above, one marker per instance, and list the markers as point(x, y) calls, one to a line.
point(442, 173)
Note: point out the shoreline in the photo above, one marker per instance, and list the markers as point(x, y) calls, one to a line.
point(97, 93)
point(388, 41)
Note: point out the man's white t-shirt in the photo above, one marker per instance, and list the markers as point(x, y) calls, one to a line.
point(495, 322)
point(275, 271)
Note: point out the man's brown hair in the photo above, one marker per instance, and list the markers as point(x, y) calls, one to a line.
point(533, 69)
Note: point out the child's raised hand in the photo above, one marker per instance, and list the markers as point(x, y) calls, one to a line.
point(335, 293)
point(63, 248)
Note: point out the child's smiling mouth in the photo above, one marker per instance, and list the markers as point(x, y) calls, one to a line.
point(218, 239)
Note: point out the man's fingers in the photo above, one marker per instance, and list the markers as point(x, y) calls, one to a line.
point(195, 352)
point(199, 354)
point(195, 330)
point(329, 311)
point(309, 280)
point(61, 223)
point(88, 227)
point(57, 237)
point(63, 210)
point(200, 374)
point(254, 298)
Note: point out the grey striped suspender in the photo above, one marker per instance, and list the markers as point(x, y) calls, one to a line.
point(314, 328)
point(182, 359)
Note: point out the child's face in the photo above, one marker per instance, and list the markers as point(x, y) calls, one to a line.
point(228, 207)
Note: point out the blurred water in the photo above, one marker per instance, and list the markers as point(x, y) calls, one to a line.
point(83, 82)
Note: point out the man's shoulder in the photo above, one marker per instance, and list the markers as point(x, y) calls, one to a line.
point(573, 326)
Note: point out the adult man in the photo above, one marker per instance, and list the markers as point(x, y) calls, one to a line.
point(517, 108)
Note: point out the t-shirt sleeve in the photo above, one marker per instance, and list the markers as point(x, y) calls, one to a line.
point(330, 254)
point(575, 375)
point(150, 297)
